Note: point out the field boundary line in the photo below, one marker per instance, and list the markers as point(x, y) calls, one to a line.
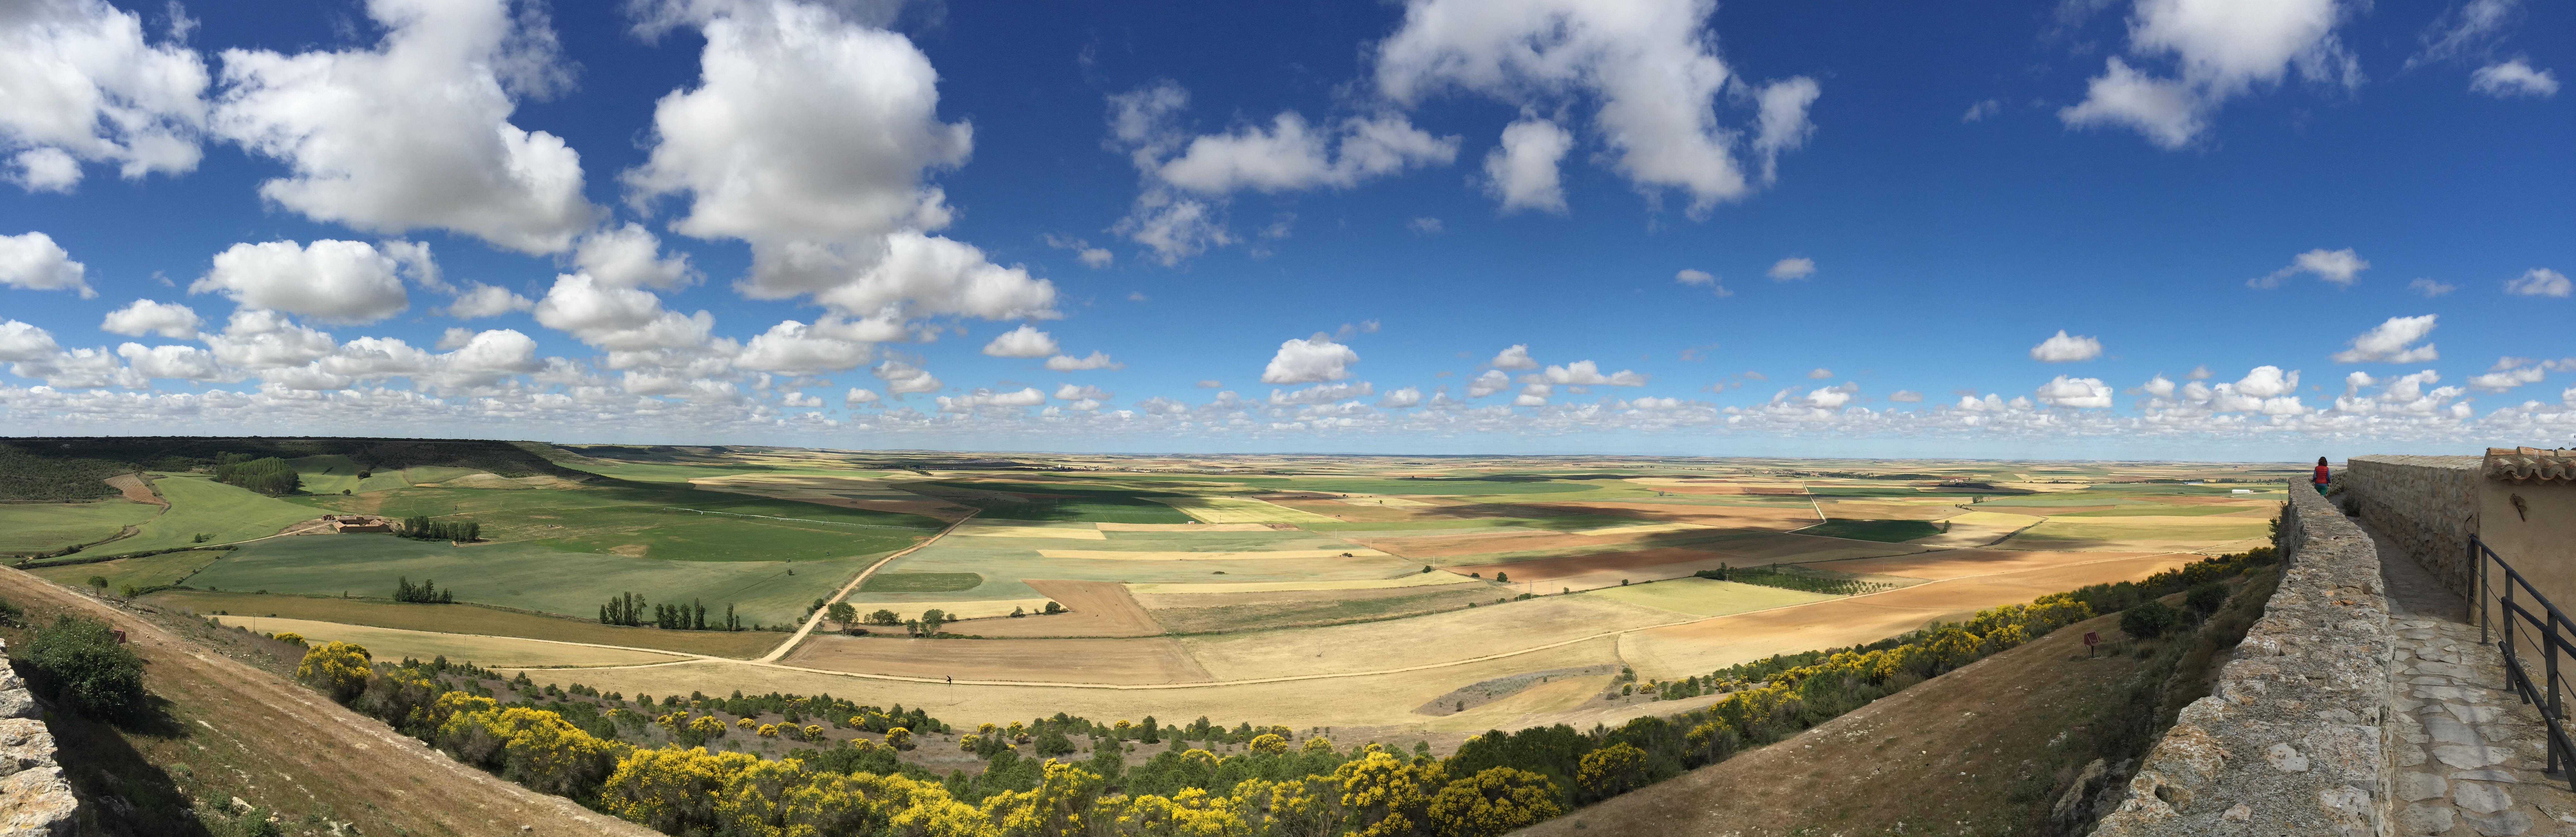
point(798, 519)
point(816, 618)
point(901, 678)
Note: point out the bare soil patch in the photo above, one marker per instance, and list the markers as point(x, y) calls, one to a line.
point(1486, 542)
point(1780, 518)
point(136, 490)
point(1116, 661)
point(1216, 612)
point(1974, 751)
point(1100, 608)
point(1607, 569)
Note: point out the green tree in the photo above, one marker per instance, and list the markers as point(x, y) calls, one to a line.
point(79, 664)
point(842, 613)
point(2148, 619)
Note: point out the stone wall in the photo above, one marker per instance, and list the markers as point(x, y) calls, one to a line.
point(34, 799)
point(2290, 742)
point(2427, 505)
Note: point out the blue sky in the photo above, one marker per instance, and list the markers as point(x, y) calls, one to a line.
point(2265, 230)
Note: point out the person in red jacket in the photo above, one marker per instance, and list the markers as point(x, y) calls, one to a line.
point(2321, 475)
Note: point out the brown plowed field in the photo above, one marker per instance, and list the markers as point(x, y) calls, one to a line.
point(1780, 518)
point(1116, 661)
point(1100, 608)
point(1605, 569)
point(1705, 646)
point(1487, 542)
point(1953, 563)
point(136, 490)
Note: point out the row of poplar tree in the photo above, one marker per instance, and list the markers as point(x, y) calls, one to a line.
point(629, 609)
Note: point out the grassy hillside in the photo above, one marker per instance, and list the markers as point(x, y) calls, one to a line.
point(228, 724)
point(201, 506)
point(36, 528)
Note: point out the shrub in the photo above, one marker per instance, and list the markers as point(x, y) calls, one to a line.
point(1053, 608)
point(79, 664)
point(1269, 743)
point(2148, 619)
point(2206, 598)
point(338, 669)
point(1493, 802)
point(1611, 771)
point(899, 738)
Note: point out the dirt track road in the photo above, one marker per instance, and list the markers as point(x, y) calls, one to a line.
point(315, 745)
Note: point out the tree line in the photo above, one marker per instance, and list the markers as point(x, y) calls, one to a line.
point(266, 474)
point(629, 609)
point(426, 593)
point(425, 528)
point(1775, 576)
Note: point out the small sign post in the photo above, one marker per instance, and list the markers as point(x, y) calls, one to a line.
point(2091, 639)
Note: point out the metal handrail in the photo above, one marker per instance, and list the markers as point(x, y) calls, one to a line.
point(2557, 637)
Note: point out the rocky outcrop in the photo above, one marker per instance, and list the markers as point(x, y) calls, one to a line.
point(35, 801)
point(2292, 739)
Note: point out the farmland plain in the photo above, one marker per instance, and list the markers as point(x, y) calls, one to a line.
point(1303, 590)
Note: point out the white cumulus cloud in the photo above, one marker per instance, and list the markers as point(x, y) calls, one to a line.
point(2065, 349)
point(2080, 393)
point(83, 84)
point(901, 377)
point(479, 300)
point(2219, 50)
point(1587, 373)
point(415, 131)
point(328, 280)
point(1309, 360)
point(2539, 281)
point(1491, 382)
point(1021, 342)
point(809, 137)
point(630, 256)
point(34, 262)
point(1650, 67)
point(1516, 356)
point(1793, 268)
point(168, 319)
point(2391, 342)
point(795, 348)
point(1522, 173)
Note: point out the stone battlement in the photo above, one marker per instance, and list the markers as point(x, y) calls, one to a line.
point(34, 799)
point(2292, 739)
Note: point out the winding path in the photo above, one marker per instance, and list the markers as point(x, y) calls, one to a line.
point(816, 617)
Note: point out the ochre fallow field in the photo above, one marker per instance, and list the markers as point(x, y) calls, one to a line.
point(395, 644)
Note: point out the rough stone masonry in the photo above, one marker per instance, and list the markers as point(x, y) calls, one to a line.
point(2291, 740)
point(34, 799)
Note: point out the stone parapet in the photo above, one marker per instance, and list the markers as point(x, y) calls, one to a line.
point(2291, 740)
point(2427, 505)
point(35, 801)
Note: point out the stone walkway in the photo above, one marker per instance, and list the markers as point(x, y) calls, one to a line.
point(2467, 752)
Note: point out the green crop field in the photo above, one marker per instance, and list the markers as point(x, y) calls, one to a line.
point(45, 527)
point(1887, 531)
point(656, 521)
point(143, 572)
point(921, 582)
point(469, 619)
point(199, 505)
point(2157, 510)
point(522, 575)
